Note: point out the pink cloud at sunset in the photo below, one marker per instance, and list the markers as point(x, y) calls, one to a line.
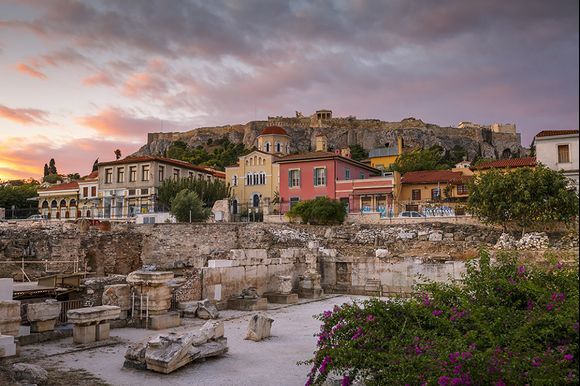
point(23, 116)
point(26, 69)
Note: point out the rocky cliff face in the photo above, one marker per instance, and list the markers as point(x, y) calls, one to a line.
point(342, 132)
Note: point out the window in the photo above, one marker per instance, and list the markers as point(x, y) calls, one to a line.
point(267, 147)
point(108, 175)
point(294, 201)
point(145, 173)
point(362, 176)
point(435, 193)
point(294, 178)
point(234, 180)
point(161, 173)
point(262, 178)
point(416, 194)
point(132, 173)
point(144, 192)
point(131, 192)
point(176, 173)
point(120, 175)
point(93, 191)
point(319, 176)
point(347, 174)
point(563, 154)
point(85, 191)
point(278, 147)
point(462, 189)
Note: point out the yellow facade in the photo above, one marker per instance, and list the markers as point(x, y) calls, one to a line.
point(383, 162)
point(254, 180)
point(382, 158)
point(426, 191)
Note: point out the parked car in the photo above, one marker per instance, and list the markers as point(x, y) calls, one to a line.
point(35, 217)
point(411, 213)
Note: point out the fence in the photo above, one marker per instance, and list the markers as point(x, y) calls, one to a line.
point(69, 305)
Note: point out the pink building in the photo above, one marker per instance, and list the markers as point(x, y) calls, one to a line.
point(325, 174)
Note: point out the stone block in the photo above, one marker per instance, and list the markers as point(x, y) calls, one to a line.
point(436, 236)
point(259, 327)
point(117, 295)
point(42, 325)
point(207, 310)
point(382, 253)
point(149, 277)
point(9, 317)
point(213, 330)
point(164, 321)
point(102, 331)
point(279, 298)
point(238, 254)
point(7, 346)
point(27, 373)
point(219, 263)
point(6, 288)
point(44, 311)
point(242, 304)
point(84, 333)
point(93, 314)
point(310, 293)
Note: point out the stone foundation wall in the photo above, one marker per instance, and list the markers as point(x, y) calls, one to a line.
point(219, 260)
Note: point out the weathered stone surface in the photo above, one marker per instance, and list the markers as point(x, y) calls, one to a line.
point(117, 295)
point(436, 236)
point(42, 325)
point(135, 356)
point(259, 327)
point(213, 330)
point(278, 298)
point(7, 346)
point(247, 304)
point(9, 317)
point(284, 284)
point(29, 373)
point(165, 353)
point(188, 309)
point(382, 253)
point(83, 334)
point(47, 310)
point(149, 277)
point(93, 314)
point(164, 321)
point(207, 310)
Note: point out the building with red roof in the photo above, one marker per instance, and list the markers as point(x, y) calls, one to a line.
point(510, 163)
point(558, 150)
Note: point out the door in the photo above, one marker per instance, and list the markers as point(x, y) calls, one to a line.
point(256, 201)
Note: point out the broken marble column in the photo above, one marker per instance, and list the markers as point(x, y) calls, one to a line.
point(283, 293)
point(118, 295)
point(43, 316)
point(169, 352)
point(259, 327)
point(309, 285)
point(207, 310)
point(248, 300)
point(92, 323)
point(188, 309)
point(9, 317)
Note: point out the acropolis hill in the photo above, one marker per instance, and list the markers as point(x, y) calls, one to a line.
point(488, 141)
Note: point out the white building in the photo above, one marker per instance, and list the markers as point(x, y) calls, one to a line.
point(558, 150)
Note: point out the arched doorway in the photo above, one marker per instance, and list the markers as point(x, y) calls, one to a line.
point(73, 208)
point(507, 153)
point(256, 200)
point(234, 206)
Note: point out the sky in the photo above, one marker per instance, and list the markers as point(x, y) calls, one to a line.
point(79, 79)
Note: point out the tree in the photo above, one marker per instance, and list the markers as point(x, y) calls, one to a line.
point(358, 153)
point(117, 154)
point(187, 207)
point(424, 159)
point(52, 167)
point(46, 170)
point(522, 197)
point(96, 165)
point(320, 211)
point(208, 191)
point(74, 176)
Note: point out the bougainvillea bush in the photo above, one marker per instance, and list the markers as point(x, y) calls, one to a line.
point(504, 324)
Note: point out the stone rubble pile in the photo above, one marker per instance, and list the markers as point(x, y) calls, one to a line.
point(534, 240)
point(283, 235)
point(169, 352)
point(203, 309)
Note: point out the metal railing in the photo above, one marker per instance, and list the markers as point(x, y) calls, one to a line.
point(69, 305)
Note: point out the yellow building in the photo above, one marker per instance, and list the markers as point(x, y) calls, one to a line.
point(255, 179)
point(431, 190)
point(383, 157)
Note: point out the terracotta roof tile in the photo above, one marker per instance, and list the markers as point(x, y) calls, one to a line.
point(277, 130)
point(550, 133)
point(433, 177)
point(507, 163)
point(67, 186)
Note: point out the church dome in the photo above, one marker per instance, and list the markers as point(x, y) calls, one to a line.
point(274, 130)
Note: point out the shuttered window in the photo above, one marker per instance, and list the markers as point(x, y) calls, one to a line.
point(294, 178)
point(563, 154)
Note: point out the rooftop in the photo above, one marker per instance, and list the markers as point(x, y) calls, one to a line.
point(552, 133)
point(433, 177)
point(507, 163)
point(320, 155)
point(68, 186)
point(144, 158)
point(276, 130)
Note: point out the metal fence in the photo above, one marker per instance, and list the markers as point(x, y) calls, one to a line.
point(69, 305)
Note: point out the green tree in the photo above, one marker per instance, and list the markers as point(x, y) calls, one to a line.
point(522, 197)
point(52, 178)
point(95, 165)
point(207, 191)
point(424, 159)
point(320, 211)
point(18, 196)
point(187, 207)
point(358, 153)
point(74, 176)
point(46, 170)
point(52, 167)
point(117, 153)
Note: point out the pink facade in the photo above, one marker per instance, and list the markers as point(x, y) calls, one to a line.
point(344, 179)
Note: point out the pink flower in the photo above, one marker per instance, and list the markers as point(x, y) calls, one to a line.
point(444, 380)
point(536, 362)
point(500, 383)
point(437, 313)
point(370, 318)
point(466, 355)
point(521, 270)
point(327, 314)
point(358, 334)
point(345, 381)
point(549, 306)
point(426, 301)
point(325, 362)
point(569, 357)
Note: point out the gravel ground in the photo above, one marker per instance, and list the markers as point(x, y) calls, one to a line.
point(270, 362)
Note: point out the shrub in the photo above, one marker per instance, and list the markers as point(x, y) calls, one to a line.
point(187, 206)
point(506, 324)
point(320, 211)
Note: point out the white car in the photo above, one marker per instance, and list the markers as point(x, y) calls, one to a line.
point(410, 213)
point(35, 217)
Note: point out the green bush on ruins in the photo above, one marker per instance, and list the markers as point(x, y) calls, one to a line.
point(506, 324)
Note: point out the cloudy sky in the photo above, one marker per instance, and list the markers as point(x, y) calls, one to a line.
point(79, 79)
